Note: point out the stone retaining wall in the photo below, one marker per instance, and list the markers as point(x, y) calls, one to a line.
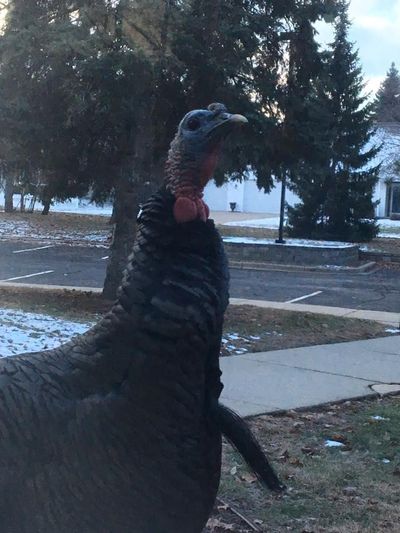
point(379, 257)
point(292, 255)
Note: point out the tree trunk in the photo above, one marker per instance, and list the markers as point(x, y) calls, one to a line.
point(125, 211)
point(46, 206)
point(8, 194)
point(280, 239)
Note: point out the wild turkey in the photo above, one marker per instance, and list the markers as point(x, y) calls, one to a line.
point(119, 430)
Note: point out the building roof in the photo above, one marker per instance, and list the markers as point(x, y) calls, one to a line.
point(388, 134)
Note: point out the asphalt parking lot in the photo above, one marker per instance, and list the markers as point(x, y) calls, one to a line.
point(85, 266)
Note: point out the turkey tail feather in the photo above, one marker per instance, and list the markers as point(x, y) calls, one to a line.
point(235, 429)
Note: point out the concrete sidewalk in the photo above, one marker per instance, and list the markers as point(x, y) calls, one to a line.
point(224, 217)
point(303, 377)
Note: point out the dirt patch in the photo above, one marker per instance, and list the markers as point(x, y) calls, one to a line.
point(353, 487)
point(247, 329)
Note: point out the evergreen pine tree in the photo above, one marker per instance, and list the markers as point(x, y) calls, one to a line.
point(387, 101)
point(336, 185)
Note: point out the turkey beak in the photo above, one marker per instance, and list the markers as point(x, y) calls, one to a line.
point(224, 123)
point(238, 119)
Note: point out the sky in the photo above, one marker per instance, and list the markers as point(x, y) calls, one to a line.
point(376, 33)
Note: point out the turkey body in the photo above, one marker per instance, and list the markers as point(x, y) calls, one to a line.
point(113, 432)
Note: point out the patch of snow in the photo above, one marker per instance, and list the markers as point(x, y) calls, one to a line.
point(387, 223)
point(31, 332)
point(392, 330)
point(378, 417)
point(273, 223)
point(386, 461)
point(21, 229)
point(384, 235)
point(289, 242)
point(333, 444)
point(270, 223)
point(82, 207)
point(254, 337)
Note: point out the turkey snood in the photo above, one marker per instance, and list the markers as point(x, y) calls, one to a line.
point(119, 430)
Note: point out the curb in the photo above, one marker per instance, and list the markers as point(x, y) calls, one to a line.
point(42, 287)
point(366, 268)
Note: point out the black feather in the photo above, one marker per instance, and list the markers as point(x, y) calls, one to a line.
point(235, 429)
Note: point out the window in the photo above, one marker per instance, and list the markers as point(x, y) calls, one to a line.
point(395, 207)
point(393, 199)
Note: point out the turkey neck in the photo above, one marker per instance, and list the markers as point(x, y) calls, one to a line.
point(186, 173)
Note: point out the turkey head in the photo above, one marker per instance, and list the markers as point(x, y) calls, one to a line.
point(193, 157)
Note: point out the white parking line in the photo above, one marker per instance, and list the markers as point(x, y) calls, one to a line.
point(29, 275)
point(303, 297)
point(33, 249)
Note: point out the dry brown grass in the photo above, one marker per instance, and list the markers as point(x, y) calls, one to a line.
point(271, 329)
point(335, 490)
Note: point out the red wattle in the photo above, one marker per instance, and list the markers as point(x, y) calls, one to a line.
point(201, 211)
point(185, 209)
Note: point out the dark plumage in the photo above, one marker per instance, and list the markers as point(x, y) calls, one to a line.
point(119, 430)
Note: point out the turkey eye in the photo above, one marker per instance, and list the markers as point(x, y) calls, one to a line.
point(193, 123)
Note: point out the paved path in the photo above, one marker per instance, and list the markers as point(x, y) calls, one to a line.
point(303, 377)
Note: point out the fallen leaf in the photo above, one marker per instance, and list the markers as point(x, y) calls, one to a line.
point(223, 507)
point(284, 455)
point(308, 450)
point(295, 461)
point(249, 478)
point(216, 523)
point(338, 437)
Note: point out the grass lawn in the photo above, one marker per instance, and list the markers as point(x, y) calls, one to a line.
point(352, 488)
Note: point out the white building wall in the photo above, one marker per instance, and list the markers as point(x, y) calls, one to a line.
point(247, 196)
point(216, 197)
point(380, 195)
point(256, 201)
point(249, 199)
point(236, 194)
